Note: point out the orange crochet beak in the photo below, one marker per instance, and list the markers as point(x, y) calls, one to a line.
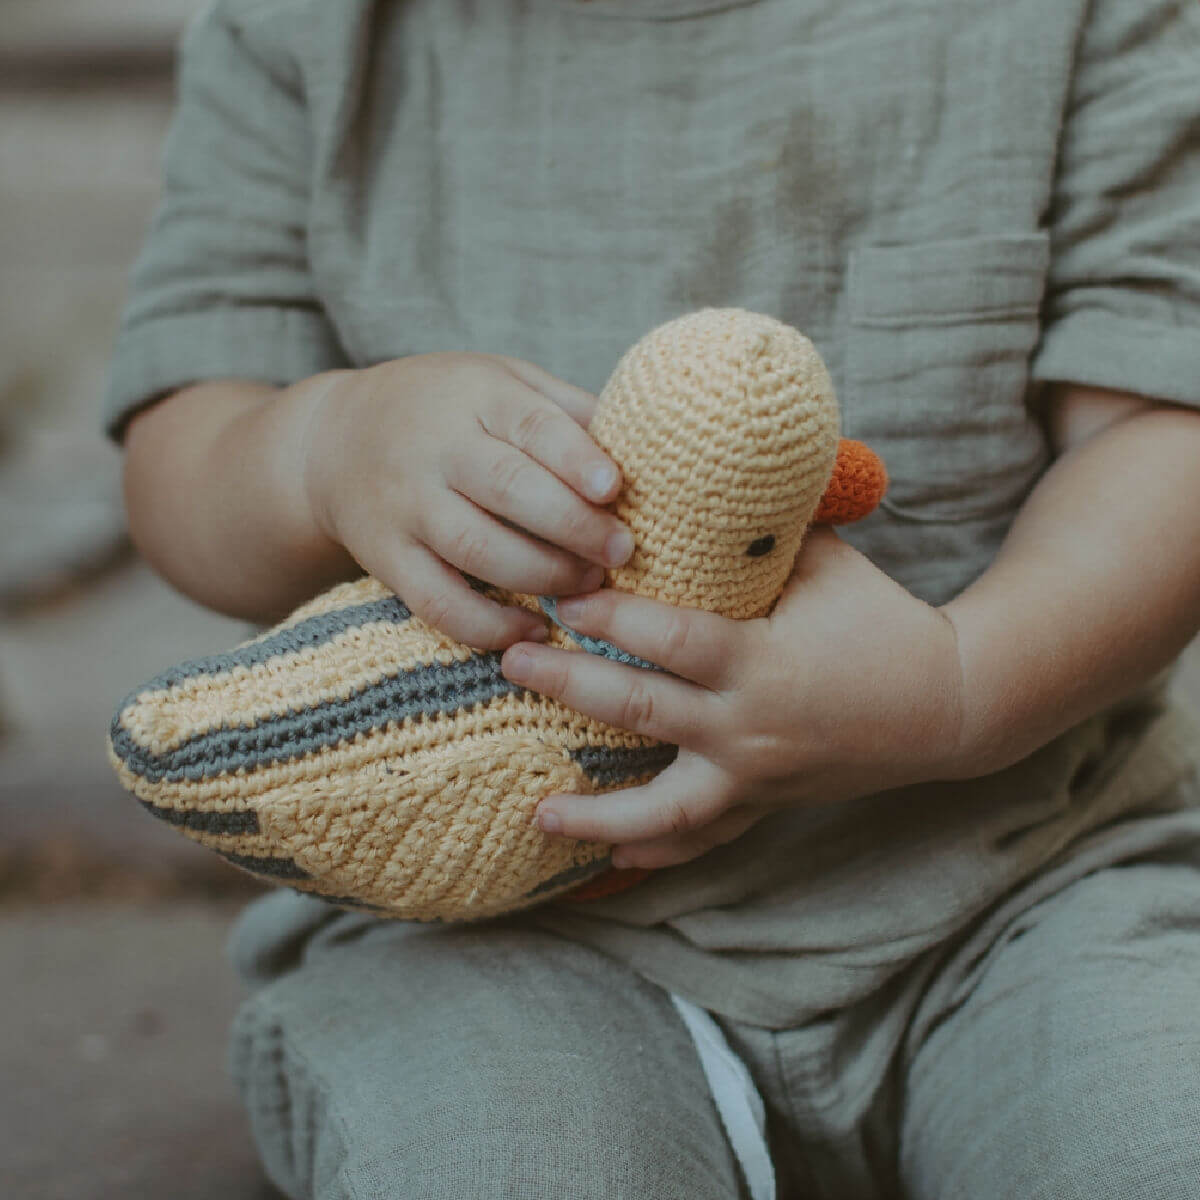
point(856, 487)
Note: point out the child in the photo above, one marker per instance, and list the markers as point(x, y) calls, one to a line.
point(931, 844)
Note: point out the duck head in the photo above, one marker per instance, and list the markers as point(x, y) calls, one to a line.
point(725, 426)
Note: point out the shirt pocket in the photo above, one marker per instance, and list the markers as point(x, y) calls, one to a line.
point(937, 372)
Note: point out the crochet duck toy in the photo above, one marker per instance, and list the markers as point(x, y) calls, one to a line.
point(357, 753)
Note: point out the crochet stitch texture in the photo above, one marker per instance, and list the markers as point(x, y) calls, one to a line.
point(358, 753)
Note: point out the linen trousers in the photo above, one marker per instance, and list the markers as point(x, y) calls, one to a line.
point(1050, 1052)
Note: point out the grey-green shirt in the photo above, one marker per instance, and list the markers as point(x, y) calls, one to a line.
point(956, 199)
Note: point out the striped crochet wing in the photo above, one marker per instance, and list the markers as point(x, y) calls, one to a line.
point(304, 744)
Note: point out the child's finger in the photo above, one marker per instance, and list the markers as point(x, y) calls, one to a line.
point(651, 703)
point(682, 800)
point(576, 402)
point(471, 539)
point(679, 848)
point(542, 430)
point(689, 642)
point(440, 596)
point(504, 481)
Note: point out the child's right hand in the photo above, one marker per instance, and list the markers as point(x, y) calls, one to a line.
point(471, 461)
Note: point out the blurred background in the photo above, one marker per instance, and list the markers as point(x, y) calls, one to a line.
point(112, 976)
point(111, 926)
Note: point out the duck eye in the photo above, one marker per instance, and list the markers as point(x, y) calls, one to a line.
point(761, 546)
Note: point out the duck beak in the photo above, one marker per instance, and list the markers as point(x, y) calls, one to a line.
point(856, 487)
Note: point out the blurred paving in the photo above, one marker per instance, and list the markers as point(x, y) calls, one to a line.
point(114, 988)
point(78, 178)
point(47, 33)
point(81, 622)
point(112, 1056)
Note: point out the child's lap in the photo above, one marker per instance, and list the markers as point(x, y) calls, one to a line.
point(401, 1060)
point(1059, 1055)
point(1054, 1050)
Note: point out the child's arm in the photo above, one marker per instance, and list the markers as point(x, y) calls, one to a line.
point(251, 498)
point(1097, 586)
point(854, 686)
point(211, 506)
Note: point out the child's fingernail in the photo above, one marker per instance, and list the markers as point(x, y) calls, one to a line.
point(600, 480)
point(549, 820)
point(620, 860)
point(618, 548)
point(517, 664)
point(571, 610)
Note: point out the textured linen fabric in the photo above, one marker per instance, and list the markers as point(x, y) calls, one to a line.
point(1057, 1054)
point(397, 1060)
point(1049, 1052)
point(956, 201)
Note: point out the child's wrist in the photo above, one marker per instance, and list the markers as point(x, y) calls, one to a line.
point(991, 735)
point(298, 444)
point(941, 738)
point(308, 470)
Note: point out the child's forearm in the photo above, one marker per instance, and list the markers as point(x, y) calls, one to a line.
point(1096, 588)
point(215, 502)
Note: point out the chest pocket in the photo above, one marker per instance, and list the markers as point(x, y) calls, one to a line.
point(937, 372)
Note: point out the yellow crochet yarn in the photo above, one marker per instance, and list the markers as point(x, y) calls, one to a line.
point(360, 754)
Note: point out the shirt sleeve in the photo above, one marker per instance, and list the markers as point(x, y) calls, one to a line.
point(1123, 297)
point(223, 286)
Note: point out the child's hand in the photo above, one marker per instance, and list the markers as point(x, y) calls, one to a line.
point(851, 686)
point(469, 461)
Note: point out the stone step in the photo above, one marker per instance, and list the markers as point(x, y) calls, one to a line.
point(38, 37)
point(113, 1055)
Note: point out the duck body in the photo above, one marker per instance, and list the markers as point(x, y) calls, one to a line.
point(358, 753)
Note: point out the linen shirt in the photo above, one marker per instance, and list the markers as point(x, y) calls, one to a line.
point(957, 200)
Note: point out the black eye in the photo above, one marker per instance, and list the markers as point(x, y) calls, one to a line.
point(761, 546)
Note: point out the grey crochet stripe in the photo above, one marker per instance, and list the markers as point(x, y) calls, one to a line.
point(569, 876)
point(607, 765)
point(594, 645)
point(261, 864)
point(428, 691)
point(226, 824)
point(343, 901)
point(302, 636)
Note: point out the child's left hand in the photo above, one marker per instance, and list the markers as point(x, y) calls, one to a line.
point(851, 686)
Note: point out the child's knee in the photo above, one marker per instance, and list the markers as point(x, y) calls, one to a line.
point(1069, 1065)
point(1092, 1135)
point(298, 1144)
point(431, 1119)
